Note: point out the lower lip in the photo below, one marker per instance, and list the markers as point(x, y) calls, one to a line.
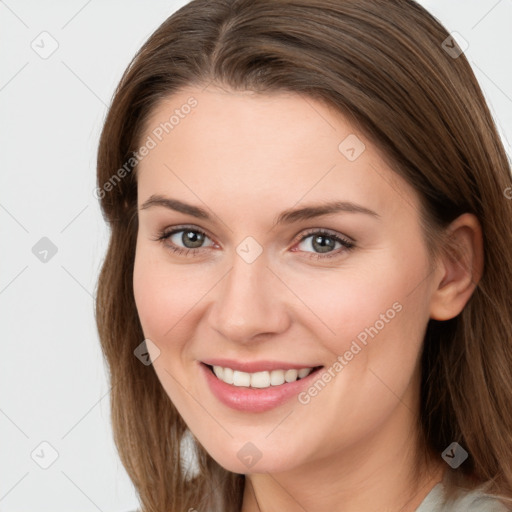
point(254, 399)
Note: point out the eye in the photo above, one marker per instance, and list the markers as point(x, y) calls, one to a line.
point(184, 240)
point(324, 244)
point(319, 243)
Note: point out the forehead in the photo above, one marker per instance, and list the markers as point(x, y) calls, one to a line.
point(266, 150)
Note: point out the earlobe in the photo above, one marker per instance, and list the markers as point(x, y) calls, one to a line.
point(460, 267)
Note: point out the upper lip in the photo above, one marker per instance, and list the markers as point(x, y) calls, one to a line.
point(257, 366)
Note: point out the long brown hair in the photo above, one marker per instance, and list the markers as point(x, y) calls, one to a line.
point(391, 69)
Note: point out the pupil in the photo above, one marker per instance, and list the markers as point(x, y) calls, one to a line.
point(323, 243)
point(192, 240)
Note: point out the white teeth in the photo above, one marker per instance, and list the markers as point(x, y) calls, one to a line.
point(304, 372)
point(241, 378)
point(219, 371)
point(259, 379)
point(228, 375)
point(276, 377)
point(291, 375)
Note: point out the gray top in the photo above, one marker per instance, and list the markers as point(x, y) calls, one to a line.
point(468, 501)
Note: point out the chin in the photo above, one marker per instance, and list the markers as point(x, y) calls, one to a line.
point(246, 458)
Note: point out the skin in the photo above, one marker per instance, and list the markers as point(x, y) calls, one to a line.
point(245, 158)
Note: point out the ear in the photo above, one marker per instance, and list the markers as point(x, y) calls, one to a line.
point(460, 267)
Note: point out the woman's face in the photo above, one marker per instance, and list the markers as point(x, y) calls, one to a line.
point(341, 280)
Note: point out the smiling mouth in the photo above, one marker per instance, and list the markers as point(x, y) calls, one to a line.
point(260, 380)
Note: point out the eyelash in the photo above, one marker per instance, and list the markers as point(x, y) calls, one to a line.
point(346, 243)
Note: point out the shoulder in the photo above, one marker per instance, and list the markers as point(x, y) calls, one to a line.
point(478, 502)
point(466, 501)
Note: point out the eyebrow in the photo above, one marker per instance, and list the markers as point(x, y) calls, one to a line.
point(286, 217)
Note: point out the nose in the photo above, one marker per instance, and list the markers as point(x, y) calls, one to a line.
point(249, 303)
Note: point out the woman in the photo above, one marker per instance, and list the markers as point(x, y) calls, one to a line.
point(310, 242)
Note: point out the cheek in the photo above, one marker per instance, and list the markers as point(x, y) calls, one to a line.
point(168, 297)
point(372, 314)
point(378, 317)
point(168, 300)
point(343, 303)
point(155, 290)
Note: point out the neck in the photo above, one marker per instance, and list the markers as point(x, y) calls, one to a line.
point(393, 489)
point(386, 472)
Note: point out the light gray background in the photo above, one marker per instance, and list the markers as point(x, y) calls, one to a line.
point(52, 378)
